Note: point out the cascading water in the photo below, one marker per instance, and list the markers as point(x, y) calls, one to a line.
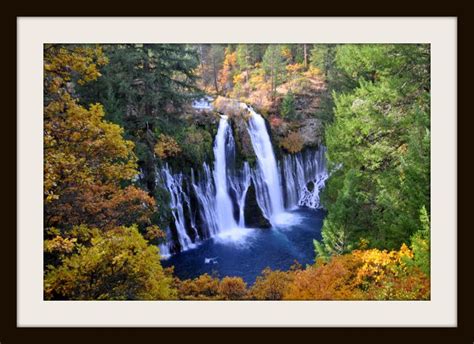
point(304, 175)
point(212, 201)
point(266, 177)
point(223, 147)
point(178, 197)
point(240, 185)
point(205, 193)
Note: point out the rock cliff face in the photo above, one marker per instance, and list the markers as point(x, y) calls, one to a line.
point(306, 124)
point(308, 127)
point(253, 214)
point(238, 117)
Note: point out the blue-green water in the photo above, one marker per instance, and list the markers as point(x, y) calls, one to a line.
point(246, 252)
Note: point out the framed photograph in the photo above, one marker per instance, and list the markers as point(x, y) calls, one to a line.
point(237, 172)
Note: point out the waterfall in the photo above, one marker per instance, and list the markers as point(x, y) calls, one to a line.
point(266, 177)
point(178, 197)
point(205, 193)
point(224, 147)
point(305, 175)
point(211, 201)
point(240, 185)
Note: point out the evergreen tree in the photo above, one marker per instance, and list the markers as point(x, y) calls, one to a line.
point(142, 88)
point(288, 110)
point(379, 146)
point(274, 65)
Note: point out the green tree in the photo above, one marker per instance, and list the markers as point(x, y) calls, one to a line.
point(322, 57)
point(274, 65)
point(379, 146)
point(420, 243)
point(144, 88)
point(211, 57)
point(288, 110)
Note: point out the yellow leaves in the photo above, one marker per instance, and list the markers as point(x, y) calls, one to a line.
point(116, 264)
point(203, 287)
point(85, 157)
point(377, 263)
point(239, 78)
point(154, 233)
point(286, 52)
point(295, 68)
point(230, 59)
point(258, 82)
point(61, 62)
point(313, 72)
point(167, 147)
point(82, 148)
point(402, 150)
point(119, 259)
point(405, 252)
point(59, 245)
point(228, 69)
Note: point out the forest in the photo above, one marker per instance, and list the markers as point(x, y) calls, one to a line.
point(124, 122)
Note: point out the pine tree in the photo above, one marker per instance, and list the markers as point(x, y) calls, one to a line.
point(274, 65)
point(379, 144)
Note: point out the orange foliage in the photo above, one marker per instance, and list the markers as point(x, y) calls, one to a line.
point(331, 281)
point(412, 285)
point(226, 74)
point(102, 206)
point(361, 275)
point(293, 143)
point(232, 288)
point(275, 121)
point(271, 285)
point(154, 234)
point(204, 287)
point(86, 158)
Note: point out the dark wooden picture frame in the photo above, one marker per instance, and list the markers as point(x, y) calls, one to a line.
point(10, 333)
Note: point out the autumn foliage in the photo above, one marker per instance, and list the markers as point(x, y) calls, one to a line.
point(167, 147)
point(232, 288)
point(94, 215)
point(101, 234)
point(113, 265)
point(361, 275)
point(292, 143)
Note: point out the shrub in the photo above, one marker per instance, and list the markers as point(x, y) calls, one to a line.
point(196, 145)
point(167, 147)
point(293, 143)
point(271, 285)
point(331, 281)
point(232, 288)
point(114, 265)
point(204, 287)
